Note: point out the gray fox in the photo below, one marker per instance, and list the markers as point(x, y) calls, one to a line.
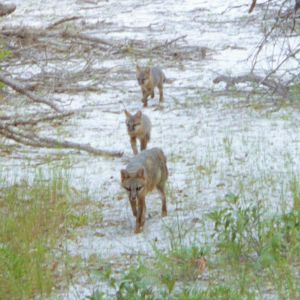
point(138, 127)
point(149, 78)
point(146, 171)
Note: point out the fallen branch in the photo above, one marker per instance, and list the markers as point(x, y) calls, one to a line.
point(32, 119)
point(169, 42)
point(81, 36)
point(272, 84)
point(6, 9)
point(21, 88)
point(61, 21)
point(252, 6)
point(31, 139)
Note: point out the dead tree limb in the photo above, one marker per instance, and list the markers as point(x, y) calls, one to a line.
point(6, 9)
point(32, 119)
point(81, 36)
point(276, 87)
point(252, 6)
point(21, 88)
point(61, 21)
point(167, 43)
point(28, 138)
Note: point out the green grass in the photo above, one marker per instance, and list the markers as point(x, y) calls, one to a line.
point(33, 219)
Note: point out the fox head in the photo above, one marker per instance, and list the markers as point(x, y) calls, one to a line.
point(134, 184)
point(133, 122)
point(142, 75)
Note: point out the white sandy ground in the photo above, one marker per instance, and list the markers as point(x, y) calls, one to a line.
point(214, 145)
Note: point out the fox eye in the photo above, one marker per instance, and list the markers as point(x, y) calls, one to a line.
point(139, 188)
point(127, 189)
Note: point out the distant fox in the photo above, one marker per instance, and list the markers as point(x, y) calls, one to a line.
point(146, 171)
point(149, 78)
point(138, 127)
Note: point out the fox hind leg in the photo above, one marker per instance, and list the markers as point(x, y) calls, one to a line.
point(161, 189)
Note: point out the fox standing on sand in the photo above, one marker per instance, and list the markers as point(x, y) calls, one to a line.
point(138, 127)
point(146, 171)
point(149, 78)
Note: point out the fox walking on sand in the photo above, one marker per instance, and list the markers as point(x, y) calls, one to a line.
point(149, 78)
point(146, 171)
point(138, 127)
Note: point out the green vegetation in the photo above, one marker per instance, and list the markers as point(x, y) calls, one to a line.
point(34, 217)
point(251, 255)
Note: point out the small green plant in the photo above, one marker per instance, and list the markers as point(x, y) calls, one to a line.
point(217, 292)
point(3, 54)
point(295, 189)
point(132, 284)
point(249, 241)
point(178, 264)
point(227, 142)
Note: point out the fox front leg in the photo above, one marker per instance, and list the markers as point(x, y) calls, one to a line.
point(145, 96)
point(140, 218)
point(144, 142)
point(133, 145)
point(133, 207)
point(161, 93)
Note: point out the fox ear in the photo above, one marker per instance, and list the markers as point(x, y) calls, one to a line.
point(138, 114)
point(138, 69)
point(124, 175)
point(127, 114)
point(140, 173)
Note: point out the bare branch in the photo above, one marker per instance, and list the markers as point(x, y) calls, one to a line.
point(19, 87)
point(252, 6)
point(33, 140)
point(63, 20)
point(6, 9)
point(167, 43)
point(32, 119)
point(276, 87)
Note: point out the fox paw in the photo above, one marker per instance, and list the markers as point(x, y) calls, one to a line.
point(164, 213)
point(138, 230)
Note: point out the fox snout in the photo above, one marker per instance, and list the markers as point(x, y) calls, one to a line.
point(141, 81)
point(133, 196)
point(130, 127)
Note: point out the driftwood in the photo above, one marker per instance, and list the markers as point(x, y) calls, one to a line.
point(276, 87)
